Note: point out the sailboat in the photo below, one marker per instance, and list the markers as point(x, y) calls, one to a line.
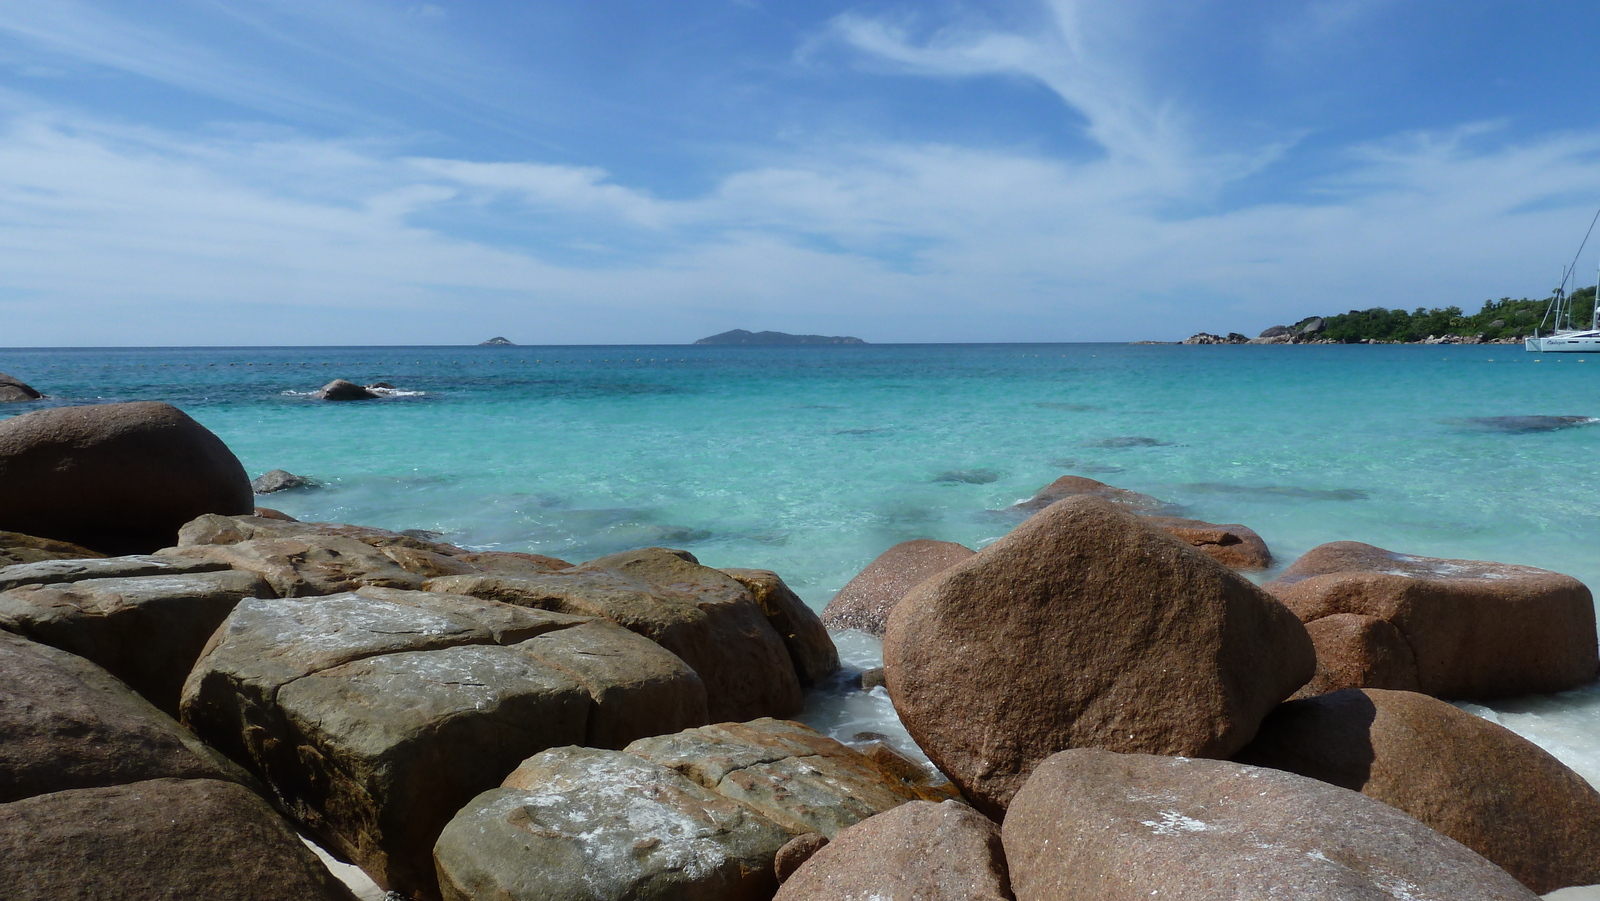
point(1558, 315)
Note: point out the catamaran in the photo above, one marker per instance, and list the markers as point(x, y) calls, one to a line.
point(1564, 338)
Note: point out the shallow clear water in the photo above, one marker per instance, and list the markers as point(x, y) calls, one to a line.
point(811, 461)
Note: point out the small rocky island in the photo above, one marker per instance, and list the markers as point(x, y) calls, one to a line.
point(741, 336)
point(497, 341)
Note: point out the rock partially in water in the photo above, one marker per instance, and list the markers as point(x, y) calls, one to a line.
point(281, 480)
point(1522, 425)
point(1130, 827)
point(1479, 783)
point(1231, 544)
point(496, 341)
point(865, 601)
point(810, 648)
point(1078, 486)
point(340, 389)
point(13, 390)
point(1478, 629)
point(1085, 627)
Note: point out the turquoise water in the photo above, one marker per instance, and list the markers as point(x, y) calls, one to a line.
point(811, 461)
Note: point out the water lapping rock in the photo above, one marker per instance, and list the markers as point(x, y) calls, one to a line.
point(865, 601)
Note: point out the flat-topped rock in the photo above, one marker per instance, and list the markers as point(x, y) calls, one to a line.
point(47, 572)
point(374, 716)
point(1476, 628)
point(791, 774)
point(68, 724)
point(865, 601)
point(919, 851)
point(581, 824)
point(1472, 780)
point(705, 617)
point(1231, 544)
point(119, 478)
point(196, 839)
point(1130, 827)
point(16, 548)
point(1085, 627)
point(145, 630)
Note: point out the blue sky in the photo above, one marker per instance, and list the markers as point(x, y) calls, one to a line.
point(373, 172)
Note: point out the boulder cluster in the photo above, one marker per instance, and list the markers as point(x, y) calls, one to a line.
point(1113, 710)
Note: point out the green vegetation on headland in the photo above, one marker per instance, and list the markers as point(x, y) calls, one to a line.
point(1503, 318)
point(741, 336)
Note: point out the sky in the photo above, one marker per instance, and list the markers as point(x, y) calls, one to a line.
point(269, 172)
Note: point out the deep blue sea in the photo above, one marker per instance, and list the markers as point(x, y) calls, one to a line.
point(813, 460)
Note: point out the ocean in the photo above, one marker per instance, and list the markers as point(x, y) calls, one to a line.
point(813, 460)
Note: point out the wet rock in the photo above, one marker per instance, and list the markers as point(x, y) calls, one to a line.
point(281, 480)
point(1085, 627)
point(13, 390)
point(704, 616)
point(339, 389)
point(873, 678)
point(147, 631)
point(580, 824)
point(68, 724)
point(810, 648)
point(120, 478)
point(1233, 545)
point(1477, 629)
point(792, 775)
point(375, 716)
point(1078, 486)
point(793, 855)
point(1355, 651)
point(16, 548)
point(164, 838)
point(865, 601)
point(916, 852)
point(1481, 784)
point(46, 572)
point(1120, 827)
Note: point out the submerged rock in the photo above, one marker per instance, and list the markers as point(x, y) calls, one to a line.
point(1130, 827)
point(1527, 424)
point(864, 603)
point(1477, 629)
point(1085, 627)
point(1479, 783)
point(120, 478)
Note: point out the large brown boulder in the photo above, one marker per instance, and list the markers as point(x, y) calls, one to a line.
point(374, 716)
point(580, 824)
point(702, 615)
point(1233, 545)
point(811, 649)
point(1130, 827)
point(17, 548)
point(917, 852)
point(196, 839)
point(1479, 783)
point(1085, 627)
point(1477, 629)
point(68, 724)
point(14, 390)
point(147, 631)
point(1356, 651)
point(1079, 486)
point(865, 601)
point(793, 775)
point(120, 478)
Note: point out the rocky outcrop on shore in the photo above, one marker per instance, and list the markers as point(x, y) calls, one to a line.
point(14, 390)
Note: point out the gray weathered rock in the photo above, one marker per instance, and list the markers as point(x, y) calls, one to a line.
point(810, 648)
point(145, 630)
point(195, 839)
point(281, 480)
point(702, 615)
point(579, 824)
point(340, 389)
point(119, 478)
point(1276, 331)
point(916, 852)
point(865, 601)
point(1085, 627)
point(68, 724)
point(48, 572)
point(374, 716)
point(17, 548)
point(1129, 827)
point(14, 390)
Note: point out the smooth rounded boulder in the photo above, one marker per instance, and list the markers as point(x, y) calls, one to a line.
point(118, 478)
point(1079, 486)
point(1479, 783)
point(341, 389)
point(1085, 627)
point(865, 601)
point(1131, 827)
point(917, 852)
point(14, 390)
point(1477, 629)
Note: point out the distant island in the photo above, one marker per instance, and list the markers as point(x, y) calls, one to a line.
point(496, 341)
point(1503, 321)
point(740, 336)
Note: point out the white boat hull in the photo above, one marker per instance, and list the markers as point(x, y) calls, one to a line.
point(1564, 343)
